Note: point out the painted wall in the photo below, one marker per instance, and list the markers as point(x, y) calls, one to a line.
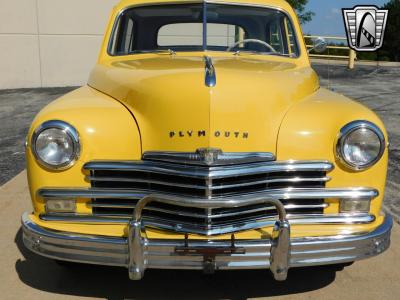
point(47, 43)
point(55, 43)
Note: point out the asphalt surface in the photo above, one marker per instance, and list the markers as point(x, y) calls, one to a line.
point(17, 110)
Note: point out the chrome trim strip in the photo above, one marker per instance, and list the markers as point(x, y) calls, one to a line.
point(210, 79)
point(195, 158)
point(188, 214)
point(160, 254)
point(213, 216)
point(350, 128)
point(230, 201)
point(204, 187)
point(306, 219)
point(317, 219)
point(209, 172)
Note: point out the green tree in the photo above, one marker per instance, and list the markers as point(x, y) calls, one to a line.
point(391, 43)
point(300, 7)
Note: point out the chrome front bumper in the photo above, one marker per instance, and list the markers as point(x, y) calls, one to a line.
point(138, 253)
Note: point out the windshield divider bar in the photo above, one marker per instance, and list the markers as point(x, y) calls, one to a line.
point(204, 25)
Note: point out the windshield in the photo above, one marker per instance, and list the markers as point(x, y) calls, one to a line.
point(206, 26)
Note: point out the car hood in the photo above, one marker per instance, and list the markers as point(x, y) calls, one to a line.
point(176, 111)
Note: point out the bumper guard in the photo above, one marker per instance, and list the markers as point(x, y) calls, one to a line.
point(138, 253)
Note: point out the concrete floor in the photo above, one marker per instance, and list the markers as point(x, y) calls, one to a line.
point(25, 275)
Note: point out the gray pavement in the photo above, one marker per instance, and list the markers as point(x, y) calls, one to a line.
point(17, 110)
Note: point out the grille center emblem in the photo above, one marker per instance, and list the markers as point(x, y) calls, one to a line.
point(209, 155)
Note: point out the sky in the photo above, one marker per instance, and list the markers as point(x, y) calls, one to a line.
point(328, 19)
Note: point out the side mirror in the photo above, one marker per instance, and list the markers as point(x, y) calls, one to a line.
point(319, 45)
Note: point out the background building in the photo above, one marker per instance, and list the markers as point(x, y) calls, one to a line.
point(46, 43)
point(55, 43)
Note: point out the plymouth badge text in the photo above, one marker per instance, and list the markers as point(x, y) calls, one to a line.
point(203, 133)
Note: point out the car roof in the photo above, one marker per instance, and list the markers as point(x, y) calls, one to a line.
point(283, 4)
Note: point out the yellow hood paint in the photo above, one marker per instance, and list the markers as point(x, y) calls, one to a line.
point(176, 111)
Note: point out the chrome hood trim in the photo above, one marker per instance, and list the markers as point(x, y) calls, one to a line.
point(209, 157)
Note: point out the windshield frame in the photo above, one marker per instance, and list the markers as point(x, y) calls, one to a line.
point(112, 36)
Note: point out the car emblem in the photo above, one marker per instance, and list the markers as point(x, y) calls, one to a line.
point(209, 155)
point(365, 27)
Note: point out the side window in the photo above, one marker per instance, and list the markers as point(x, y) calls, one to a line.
point(122, 43)
point(281, 36)
point(275, 36)
point(291, 38)
point(127, 45)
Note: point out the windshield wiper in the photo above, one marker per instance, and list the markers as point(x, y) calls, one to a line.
point(252, 52)
point(238, 52)
point(157, 51)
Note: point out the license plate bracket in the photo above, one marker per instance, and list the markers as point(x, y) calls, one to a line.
point(208, 251)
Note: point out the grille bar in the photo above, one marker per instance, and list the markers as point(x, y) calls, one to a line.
point(292, 179)
point(230, 227)
point(248, 199)
point(217, 215)
point(200, 172)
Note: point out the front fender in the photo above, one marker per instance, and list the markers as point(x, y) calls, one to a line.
point(107, 130)
point(310, 129)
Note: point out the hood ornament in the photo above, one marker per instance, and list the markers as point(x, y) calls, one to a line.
point(210, 76)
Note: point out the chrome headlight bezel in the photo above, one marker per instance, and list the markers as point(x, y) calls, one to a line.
point(67, 129)
point(349, 129)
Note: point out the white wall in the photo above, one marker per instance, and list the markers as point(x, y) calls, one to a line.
point(55, 43)
point(46, 43)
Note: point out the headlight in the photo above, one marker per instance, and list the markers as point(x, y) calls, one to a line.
point(55, 145)
point(360, 145)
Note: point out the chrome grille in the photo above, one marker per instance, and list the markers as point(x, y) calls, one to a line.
point(204, 181)
point(172, 176)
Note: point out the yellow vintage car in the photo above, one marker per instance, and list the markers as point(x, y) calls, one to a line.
point(204, 141)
